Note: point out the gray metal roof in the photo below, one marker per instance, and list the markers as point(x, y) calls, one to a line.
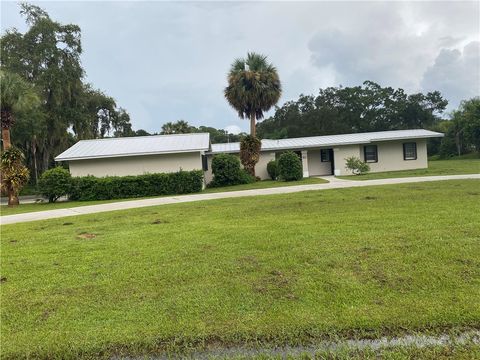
point(330, 140)
point(134, 146)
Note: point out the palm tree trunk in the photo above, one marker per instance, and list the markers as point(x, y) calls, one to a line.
point(6, 138)
point(253, 128)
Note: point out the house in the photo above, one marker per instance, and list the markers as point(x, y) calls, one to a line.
point(320, 155)
point(137, 155)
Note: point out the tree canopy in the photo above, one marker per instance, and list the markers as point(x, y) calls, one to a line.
point(47, 56)
point(340, 110)
point(253, 87)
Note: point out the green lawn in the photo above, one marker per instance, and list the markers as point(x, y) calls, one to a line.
point(283, 269)
point(24, 208)
point(435, 167)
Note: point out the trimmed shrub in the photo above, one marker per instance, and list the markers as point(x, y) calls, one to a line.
point(120, 187)
point(250, 152)
point(289, 166)
point(272, 169)
point(226, 171)
point(55, 183)
point(356, 166)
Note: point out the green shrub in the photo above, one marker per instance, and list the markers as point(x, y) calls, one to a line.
point(272, 169)
point(356, 166)
point(226, 171)
point(55, 183)
point(289, 166)
point(120, 187)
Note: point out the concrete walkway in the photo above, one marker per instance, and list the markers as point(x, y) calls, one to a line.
point(132, 204)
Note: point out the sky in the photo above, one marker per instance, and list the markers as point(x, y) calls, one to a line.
point(165, 61)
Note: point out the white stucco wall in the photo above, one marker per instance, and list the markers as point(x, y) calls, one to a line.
point(136, 165)
point(390, 156)
point(315, 165)
point(260, 168)
point(340, 153)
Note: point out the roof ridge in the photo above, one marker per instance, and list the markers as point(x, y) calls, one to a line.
point(142, 137)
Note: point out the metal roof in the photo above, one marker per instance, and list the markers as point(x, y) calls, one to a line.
point(330, 140)
point(134, 146)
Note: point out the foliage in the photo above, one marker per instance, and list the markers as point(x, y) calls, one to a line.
point(356, 166)
point(16, 96)
point(268, 270)
point(272, 169)
point(216, 135)
point(289, 166)
point(463, 130)
point(250, 152)
point(253, 87)
point(340, 110)
point(14, 173)
point(226, 171)
point(47, 56)
point(55, 183)
point(119, 187)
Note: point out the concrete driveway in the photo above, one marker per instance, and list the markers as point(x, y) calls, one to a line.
point(132, 204)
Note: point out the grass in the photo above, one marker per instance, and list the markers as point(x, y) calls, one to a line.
point(435, 167)
point(283, 269)
point(42, 206)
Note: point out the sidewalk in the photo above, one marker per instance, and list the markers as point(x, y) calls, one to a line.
point(132, 204)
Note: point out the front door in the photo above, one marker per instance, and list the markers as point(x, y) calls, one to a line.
point(332, 162)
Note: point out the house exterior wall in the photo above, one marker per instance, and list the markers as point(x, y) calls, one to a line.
point(390, 156)
point(136, 165)
point(315, 165)
point(340, 154)
point(260, 168)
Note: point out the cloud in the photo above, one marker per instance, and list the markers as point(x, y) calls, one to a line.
point(164, 61)
point(455, 73)
point(233, 129)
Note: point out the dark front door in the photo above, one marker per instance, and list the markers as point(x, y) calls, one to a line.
point(332, 163)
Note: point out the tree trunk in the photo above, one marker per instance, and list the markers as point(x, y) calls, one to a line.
point(253, 129)
point(34, 158)
point(12, 198)
point(6, 138)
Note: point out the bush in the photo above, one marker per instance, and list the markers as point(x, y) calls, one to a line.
point(55, 183)
point(357, 166)
point(120, 187)
point(250, 152)
point(226, 171)
point(14, 174)
point(272, 169)
point(289, 166)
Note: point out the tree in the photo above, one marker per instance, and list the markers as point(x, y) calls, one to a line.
point(178, 127)
point(16, 96)
point(253, 88)
point(47, 56)
point(464, 128)
point(14, 174)
point(340, 110)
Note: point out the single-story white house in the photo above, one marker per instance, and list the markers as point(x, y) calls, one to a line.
point(321, 155)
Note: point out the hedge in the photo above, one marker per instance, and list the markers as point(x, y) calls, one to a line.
point(120, 187)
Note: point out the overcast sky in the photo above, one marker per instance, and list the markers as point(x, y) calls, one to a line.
point(165, 61)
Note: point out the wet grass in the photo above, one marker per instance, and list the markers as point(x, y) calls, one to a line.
point(282, 269)
point(435, 167)
point(42, 206)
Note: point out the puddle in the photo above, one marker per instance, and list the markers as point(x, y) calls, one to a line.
point(418, 341)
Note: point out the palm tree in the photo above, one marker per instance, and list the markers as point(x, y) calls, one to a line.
point(16, 95)
point(253, 88)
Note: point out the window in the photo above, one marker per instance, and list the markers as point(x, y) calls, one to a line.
point(325, 155)
point(204, 163)
point(410, 151)
point(370, 153)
